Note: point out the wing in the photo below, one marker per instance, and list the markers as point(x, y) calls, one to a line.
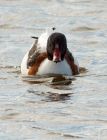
point(70, 59)
point(69, 55)
point(33, 54)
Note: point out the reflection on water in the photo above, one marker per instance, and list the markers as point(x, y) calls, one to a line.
point(59, 97)
point(51, 96)
point(54, 107)
point(54, 81)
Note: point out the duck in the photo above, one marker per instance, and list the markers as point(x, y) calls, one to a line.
point(49, 54)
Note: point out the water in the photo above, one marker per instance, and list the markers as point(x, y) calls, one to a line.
point(36, 109)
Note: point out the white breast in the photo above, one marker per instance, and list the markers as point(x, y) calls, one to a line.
point(50, 67)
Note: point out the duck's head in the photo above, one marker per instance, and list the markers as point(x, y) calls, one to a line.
point(56, 47)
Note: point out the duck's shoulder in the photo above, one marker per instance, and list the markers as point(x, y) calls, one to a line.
point(35, 58)
point(32, 54)
point(35, 63)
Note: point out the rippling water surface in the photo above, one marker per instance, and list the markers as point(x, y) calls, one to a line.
point(38, 108)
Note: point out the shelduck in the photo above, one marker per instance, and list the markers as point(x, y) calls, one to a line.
point(49, 55)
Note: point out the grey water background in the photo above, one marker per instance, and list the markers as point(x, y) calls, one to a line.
point(41, 111)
